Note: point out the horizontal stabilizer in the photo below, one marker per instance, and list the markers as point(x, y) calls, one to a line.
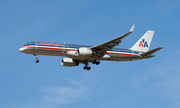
point(151, 51)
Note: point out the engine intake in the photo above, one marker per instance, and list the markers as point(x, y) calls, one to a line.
point(69, 62)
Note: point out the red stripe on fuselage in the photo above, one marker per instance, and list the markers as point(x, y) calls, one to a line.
point(50, 48)
point(117, 53)
point(67, 49)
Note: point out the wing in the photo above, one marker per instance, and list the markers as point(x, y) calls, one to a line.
point(101, 49)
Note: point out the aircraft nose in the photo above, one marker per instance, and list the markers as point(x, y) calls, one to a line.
point(21, 49)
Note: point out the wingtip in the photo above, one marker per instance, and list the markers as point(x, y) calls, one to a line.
point(132, 28)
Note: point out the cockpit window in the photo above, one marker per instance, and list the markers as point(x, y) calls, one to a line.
point(31, 43)
point(27, 45)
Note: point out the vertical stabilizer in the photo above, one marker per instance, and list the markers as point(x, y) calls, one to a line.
point(143, 44)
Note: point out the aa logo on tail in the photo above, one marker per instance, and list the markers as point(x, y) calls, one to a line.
point(143, 43)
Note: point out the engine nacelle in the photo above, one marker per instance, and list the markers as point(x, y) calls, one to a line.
point(69, 62)
point(85, 51)
point(72, 53)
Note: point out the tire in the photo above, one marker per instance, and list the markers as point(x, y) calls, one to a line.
point(88, 68)
point(37, 61)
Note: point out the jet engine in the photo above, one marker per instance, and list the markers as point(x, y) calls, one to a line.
point(69, 62)
point(85, 51)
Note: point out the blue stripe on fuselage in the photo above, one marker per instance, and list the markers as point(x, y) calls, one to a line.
point(62, 45)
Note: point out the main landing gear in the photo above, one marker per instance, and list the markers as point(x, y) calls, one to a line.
point(96, 62)
point(88, 67)
point(37, 60)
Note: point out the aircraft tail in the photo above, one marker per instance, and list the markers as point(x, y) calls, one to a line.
point(143, 44)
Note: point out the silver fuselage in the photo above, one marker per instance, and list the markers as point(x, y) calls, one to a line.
point(57, 49)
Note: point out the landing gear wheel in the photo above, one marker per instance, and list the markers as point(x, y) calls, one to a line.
point(94, 62)
point(88, 68)
point(37, 61)
point(97, 63)
point(85, 67)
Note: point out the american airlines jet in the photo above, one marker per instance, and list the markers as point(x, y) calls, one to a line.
point(80, 54)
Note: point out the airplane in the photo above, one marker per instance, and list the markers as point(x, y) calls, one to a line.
point(81, 54)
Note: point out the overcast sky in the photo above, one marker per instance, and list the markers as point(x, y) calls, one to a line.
point(149, 83)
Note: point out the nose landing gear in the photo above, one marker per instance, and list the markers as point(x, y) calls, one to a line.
point(37, 61)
